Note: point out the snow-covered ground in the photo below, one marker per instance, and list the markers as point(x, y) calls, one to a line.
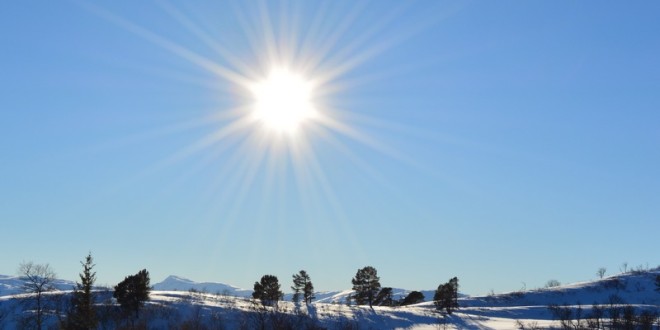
point(10, 285)
point(219, 305)
point(177, 283)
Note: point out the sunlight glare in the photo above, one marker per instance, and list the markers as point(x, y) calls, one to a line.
point(283, 101)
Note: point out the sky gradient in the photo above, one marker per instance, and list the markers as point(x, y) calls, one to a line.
point(506, 143)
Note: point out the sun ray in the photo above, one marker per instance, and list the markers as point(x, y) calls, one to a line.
point(365, 167)
point(228, 131)
point(348, 58)
point(319, 55)
point(322, 181)
point(252, 160)
point(234, 60)
point(269, 39)
point(172, 47)
point(363, 138)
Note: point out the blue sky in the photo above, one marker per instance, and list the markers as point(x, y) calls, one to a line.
point(506, 143)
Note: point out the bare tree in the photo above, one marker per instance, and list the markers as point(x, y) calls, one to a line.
point(38, 280)
point(552, 284)
point(601, 272)
point(624, 267)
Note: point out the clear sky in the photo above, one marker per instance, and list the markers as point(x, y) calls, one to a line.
point(506, 143)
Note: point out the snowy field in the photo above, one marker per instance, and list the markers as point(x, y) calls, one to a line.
point(184, 304)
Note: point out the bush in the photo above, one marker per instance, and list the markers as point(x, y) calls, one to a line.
point(552, 284)
point(414, 297)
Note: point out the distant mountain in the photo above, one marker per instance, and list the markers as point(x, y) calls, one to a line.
point(176, 283)
point(10, 285)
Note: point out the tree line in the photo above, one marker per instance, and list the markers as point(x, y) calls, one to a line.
point(367, 291)
point(130, 295)
point(81, 310)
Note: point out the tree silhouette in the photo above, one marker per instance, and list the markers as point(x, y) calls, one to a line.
point(302, 285)
point(366, 284)
point(384, 297)
point(446, 296)
point(38, 280)
point(133, 291)
point(267, 290)
point(83, 314)
point(413, 298)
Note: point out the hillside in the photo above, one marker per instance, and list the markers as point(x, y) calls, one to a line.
point(168, 308)
point(176, 283)
point(10, 285)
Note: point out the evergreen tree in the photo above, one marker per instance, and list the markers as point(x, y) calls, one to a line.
point(446, 296)
point(302, 285)
point(83, 314)
point(366, 284)
point(267, 290)
point(133, 291)
point(384, 297)
point(414, 297)
point(453, 286)
point(657, 283)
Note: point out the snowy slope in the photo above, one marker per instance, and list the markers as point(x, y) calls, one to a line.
point(632, 288)
point(176, 283)
point(10, 285)
point(339, 297)
point(168, 309)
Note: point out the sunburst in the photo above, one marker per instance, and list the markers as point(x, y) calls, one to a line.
point(281, 108)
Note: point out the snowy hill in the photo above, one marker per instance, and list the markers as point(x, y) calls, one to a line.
point(636, 288)
point(171, 309)
point(176, 283)
point(10, 285)
point(339, 297)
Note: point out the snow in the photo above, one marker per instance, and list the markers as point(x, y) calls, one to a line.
point(10, 285)
point(176, 283)
point(172, 302)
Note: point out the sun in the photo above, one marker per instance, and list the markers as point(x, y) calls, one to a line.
point(283, 100)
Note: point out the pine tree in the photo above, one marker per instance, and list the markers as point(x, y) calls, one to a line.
point(133, 291)
point(366, 284)
point(267, 290)
point(446, 296)
point(453, 287)
point(302, 285)
point(83, 314)
point(384, 297)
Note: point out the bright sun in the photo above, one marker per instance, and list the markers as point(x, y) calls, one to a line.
point(283, 101)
